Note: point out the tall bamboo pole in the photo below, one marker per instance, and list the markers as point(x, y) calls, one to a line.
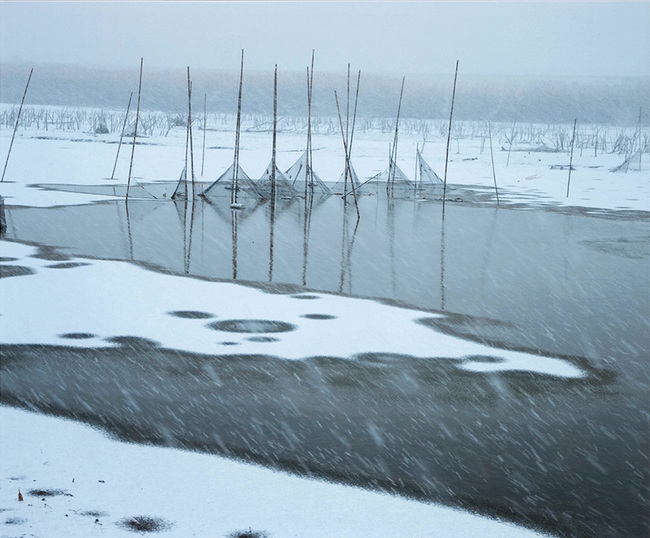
point(393, 156)
point(347, 131)
point(205, 123)
point(119, 145)
point(235, 172)
point(451, 114)
point(186, 170)
point(568, 184)
point(275, 130)
point(135, 131)
point(346, 149)
point(354, 122)
point(189, 120)
point(494, 174)
point(20, 109)
point(309, 178)
point(512, 136)
point(308, 147)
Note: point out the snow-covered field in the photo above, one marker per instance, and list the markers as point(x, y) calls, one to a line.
point(523, 176)
point(75, 481)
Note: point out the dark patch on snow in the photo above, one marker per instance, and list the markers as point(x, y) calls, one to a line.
point(228, 343)
point(305, 296)
point(262, 339)
point(144, 524)
point(15, 521)
point(252, 326)
point(4, 259)
point(45, 252)
point(66, 265)
point(318, 316)
point(47, 492)
point(249, 534)
point(484, 359)
point(191, 314)
point(134, 343)
point(77, 336)
point(379, 359)
point(15, 270)
point(93, 513)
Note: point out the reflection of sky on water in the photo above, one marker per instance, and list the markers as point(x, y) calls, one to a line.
point(560, 278)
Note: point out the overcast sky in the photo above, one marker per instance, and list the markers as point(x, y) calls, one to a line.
point(492, 38)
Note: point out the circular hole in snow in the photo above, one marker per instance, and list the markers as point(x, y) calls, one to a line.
point(77, 336)
point(191, 314)
point(252, 326)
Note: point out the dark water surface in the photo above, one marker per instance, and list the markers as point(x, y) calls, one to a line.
point(568, 456)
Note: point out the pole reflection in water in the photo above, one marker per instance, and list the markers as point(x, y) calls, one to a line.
point(347, 246)
point(189, 234)
point(390, 225)
point(128, 227)
point(442, 263)
point(271, 234)
point(308, 206)
point(234, 214)
point(518, 266)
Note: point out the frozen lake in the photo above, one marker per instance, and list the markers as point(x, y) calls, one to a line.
point(564, 454)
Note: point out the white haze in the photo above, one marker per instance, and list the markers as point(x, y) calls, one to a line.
point(490, 38)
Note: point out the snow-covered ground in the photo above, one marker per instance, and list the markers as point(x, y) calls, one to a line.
point(76, 482)
point(90, 484)
point(532, 177)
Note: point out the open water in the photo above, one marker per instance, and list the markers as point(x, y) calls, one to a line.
point(567, 456)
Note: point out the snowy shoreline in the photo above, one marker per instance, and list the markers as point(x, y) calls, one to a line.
point(76, 494)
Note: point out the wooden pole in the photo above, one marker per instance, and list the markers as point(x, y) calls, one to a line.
point(205, 123)
point(189, 120)
point(135, 131)
point(20, 109)
point(393, 156)
point(347, 132)
point(348, 162)
point(275, 130)
point(187, 147)
point(308, 147)
point(309, 178)
point(451, 114)
point(235, 172)
point(354, 121)
point(568, 184)
point(512, 136)
point(119, 145)
point(415, 171)
point(347, 157)
point(494, 174)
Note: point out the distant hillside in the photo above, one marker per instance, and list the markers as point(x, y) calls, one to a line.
point(537, 100)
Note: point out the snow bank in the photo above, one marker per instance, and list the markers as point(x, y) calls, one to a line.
point(120, 299)
point(87, 485)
